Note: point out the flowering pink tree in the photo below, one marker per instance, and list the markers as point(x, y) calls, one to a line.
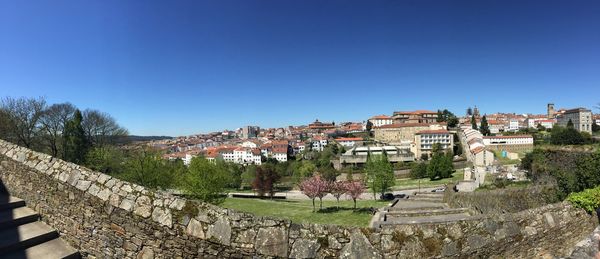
point(314, 187)
point(354, 189)
point(337, 189)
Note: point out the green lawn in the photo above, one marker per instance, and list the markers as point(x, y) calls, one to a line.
point(300, 211)
point(402, 184)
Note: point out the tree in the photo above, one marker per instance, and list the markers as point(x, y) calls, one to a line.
point(147, 168)
point(452, 122)
point(570, 124)
point(314, 187)
point(469, 111)
point(101, 128)
point(418, 170)
point(566, 136)
point(485, 128)
point(595, 127)
point(440, 165)
point(337, 189)
point(75, 143)
point(54, 121)
point(22, 118)
point(206, 181)
point(108, 160)
point(380, 173)
point(306, 169)
point(264, 182)
point(249, 175)
point(369, 125)
point(355, 189)
point(473, 122)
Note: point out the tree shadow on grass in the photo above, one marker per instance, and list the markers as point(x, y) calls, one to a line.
point(338, 209)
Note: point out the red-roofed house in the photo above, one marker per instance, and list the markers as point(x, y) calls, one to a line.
point(418, 116)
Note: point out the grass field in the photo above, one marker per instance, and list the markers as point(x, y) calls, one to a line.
point(402, 184)
point(300, 211)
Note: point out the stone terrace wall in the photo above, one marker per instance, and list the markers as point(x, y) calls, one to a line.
point(495, 201)
point(106, 217)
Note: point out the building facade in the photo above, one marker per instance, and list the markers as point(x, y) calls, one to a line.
point(381, 120)
point(424, 141)
point(581, 118)
point(419, 116)
point(517, 143)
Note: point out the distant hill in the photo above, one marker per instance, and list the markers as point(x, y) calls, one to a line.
point(145, 138)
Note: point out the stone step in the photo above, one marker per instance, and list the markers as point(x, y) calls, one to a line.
point(408, 205)
point(53, 249)
point(428, 212)
point(391, 220)
point(429, 194)
point(24, 236)
point(428, 199)
point(17, 216)
point(9, 202)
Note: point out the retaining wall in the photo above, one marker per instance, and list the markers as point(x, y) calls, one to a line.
point(106, 217)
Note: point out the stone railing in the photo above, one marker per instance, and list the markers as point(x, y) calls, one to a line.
point(106, 217)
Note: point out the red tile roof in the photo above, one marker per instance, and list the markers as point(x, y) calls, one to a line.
point(402, 125)
point(381, 117)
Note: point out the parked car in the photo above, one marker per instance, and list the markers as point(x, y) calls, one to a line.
point(400, 196)
point(440, 189)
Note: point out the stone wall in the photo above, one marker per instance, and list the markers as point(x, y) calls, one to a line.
point(506, 200)
point(106, 217)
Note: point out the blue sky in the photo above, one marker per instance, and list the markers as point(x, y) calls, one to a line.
point(183, 67)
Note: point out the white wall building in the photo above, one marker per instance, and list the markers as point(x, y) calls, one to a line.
point(348, 142)
point(319, 143)
point(381, 120)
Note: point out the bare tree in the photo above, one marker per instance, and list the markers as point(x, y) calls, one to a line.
point(53, 122)
point(23, 118)
point(101, 128)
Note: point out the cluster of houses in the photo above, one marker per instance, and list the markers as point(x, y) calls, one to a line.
point(407, 135)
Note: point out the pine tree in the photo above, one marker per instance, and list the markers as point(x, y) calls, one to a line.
point(75, 142)
point(473, 122)
point(570, 124)
point(485, 128)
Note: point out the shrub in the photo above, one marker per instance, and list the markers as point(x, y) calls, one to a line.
point(588, 199)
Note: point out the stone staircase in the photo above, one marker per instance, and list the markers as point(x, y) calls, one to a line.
point(22, 235)
point(421, 208)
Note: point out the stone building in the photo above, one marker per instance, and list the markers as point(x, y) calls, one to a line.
point(402, 133)
point(581, 118)
point(419, 116)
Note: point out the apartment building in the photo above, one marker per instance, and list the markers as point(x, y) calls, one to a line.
point(425, 139)
point(581, 118)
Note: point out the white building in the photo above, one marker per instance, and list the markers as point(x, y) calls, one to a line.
point(425, 139)
point(534, 122)
point(581, 118)
point(381, 120)
point(245, 156)
point(319, 143)
point(513, 125)
point(249, 144)
point(348, 142)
